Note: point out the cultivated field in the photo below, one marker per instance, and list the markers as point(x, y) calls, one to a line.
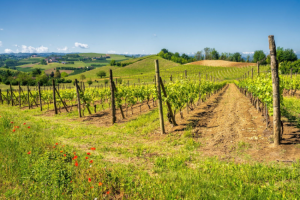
point(221, 63)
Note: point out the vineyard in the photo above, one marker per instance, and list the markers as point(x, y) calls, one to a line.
point(104, 141)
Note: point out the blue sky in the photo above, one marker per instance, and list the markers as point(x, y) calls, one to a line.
point(128, 26)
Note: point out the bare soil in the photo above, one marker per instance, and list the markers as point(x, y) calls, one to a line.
point(229, 127)
point(48, 71)
point(221, 63)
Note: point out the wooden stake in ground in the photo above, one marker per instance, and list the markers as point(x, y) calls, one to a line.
point(252, 73)
point(11, 95)
point(113, 107)
point(19, 95)
point(78, 98)
point(1, 97)
point(28, 96)
point(54, 98)
point(276, 97)
point(291, 73)
point(185, 73)
point(257, 68)
point(161, 117)
point(40, 96)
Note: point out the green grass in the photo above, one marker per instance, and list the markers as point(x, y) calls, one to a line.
point(130, 161)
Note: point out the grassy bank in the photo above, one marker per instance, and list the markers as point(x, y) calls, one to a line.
point(129, 161)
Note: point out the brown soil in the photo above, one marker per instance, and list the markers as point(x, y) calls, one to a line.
point(229, 127)
point(221, 63)
point(31, 65)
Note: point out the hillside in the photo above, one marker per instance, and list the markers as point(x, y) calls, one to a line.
point(140, 67)
point(221, 63)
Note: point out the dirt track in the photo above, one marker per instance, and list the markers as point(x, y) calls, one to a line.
point(228, 126)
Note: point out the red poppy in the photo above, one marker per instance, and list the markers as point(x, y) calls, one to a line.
point(92, 187)
point(75, 157)
point(93, 148)
point(91, 161)
point(11, 122)
point(76, 164)
point(86, 157)
point(14, 130)
point(28, 126)
point(99, 183)
point(56, 143)
point(18, 127)
point(107, 192)
point(24, 123)
point(88, 153)
point(90, 179)
point(71, 182)
point(74, 153)
point(61, 151)
point(53, 146)
point(29, 152)
point(65, 155)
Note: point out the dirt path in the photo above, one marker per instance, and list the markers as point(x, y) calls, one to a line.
point(228, 126)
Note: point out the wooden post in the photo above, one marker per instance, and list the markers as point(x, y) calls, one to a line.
point(54, 98)
point(28, 96)
point(40, 96)
point(276, 97)
point(252, 73)
point(19, 95)
point(11, 95)
point(168, 104)
point(113, 107)
point(123, 116)
point(185, 73)
point(161, 117)
point(1, 97)
point(78, 98)
point(257, 68)
point(171, 78)
point(291, 73)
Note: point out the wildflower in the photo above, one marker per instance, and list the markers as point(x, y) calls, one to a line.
point(28, 126)
point(88, 153)
point(91, 161)
point(92, 187)
point(107, 192)
point(99, 183)
point(14, 130)
point(11, 122)
point(61, 151)
point(29, 152)
point(86, 157)
point(65, 154)
point(74, 153)
point(53, 146)
point(71, 182)
point(75, 157)
point(56, 143)
point(93, 148)
point(24, 123)
point(18, 127)
point(76, 164)
point(90, 179)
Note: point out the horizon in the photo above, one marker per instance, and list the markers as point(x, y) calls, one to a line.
point(141, 28)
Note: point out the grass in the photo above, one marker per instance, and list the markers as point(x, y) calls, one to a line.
point(130, 161)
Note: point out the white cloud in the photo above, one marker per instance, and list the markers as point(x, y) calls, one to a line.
point(31, 49)
point(248, 52)
point(1, 29)
point(15, 45)
point(62, 49)
point(8, 51)
point(83, 46)
point(111, 51)
point(0, 43)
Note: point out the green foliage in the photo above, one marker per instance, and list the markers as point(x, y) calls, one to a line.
point(164, 53)
point(43, 62)
point(285, 55)
point(112, 63)
point(258, 56)
point(36, 72)
point(57, 74)
point(90, 82)
point(101, 74)
point(285, 67)
point(64, 74)
point(214, 54)
point(82, 77)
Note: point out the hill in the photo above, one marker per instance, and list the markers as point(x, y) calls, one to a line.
point(221, 63)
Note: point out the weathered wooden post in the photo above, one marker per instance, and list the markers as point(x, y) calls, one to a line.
point(19, 95)
point(113, 107)
point(252, 73)
point(171, 78)
point(257, 68)
point(11, 95)
point(40, 96)
point(185, 73)
point(291, 73)
point(1, 97)
point(78, 98)
point(161, 117)
point(54, 97)
point(276, 97)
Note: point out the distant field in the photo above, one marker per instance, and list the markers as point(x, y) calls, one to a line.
point(221, 63)
point(48, 71)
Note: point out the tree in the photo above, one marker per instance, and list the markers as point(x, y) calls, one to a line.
point(105, 81)
point(43, 62)
point(177, 55)
point(214, 54)
point(52, 74)
point(101, 74)
point(64, 74)
point(237, 57)
point(285, 54)
point(258, 56)
point(57, 74)
point(248, 58)
point(198, 55)
point(112, 63)
point(90, 82)
point(36, 72)
point(207, 53)
point(82, 77)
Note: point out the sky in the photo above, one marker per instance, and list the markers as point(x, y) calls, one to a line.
point(147, 26)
